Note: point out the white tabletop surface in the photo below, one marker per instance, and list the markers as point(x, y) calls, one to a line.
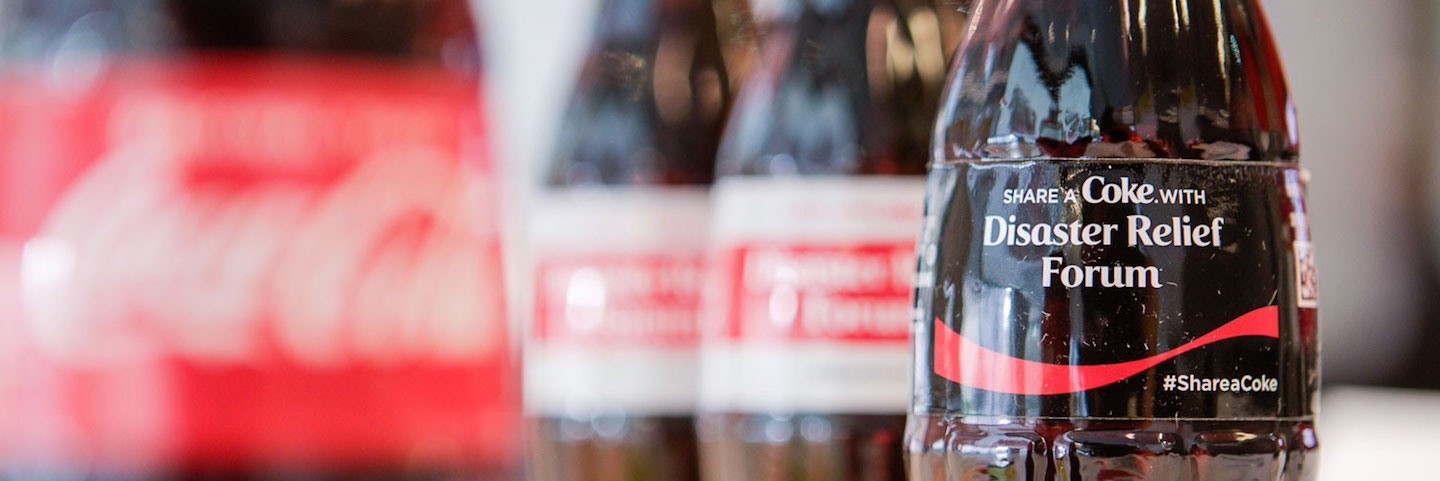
point(1379, 434)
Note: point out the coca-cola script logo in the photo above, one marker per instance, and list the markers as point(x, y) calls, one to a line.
point(156, 249)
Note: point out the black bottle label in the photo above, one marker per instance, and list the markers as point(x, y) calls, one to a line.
point(1116, 289)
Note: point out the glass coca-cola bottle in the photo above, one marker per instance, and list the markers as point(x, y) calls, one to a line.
point(618, 237)
point(246, 239)
point(815, 212)
point(1115, 272)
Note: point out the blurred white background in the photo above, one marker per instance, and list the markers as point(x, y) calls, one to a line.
point(1357, 72)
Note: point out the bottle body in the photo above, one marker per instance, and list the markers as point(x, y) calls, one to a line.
point(1115, 270)
point(256, 270)
point(812, 246)
point(1051, 350)
point(619, 234)
point(805, 350)
point(611, 363)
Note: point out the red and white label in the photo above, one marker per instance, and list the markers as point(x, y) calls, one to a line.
point(618, 275)
point(620, 299)
point(811, 306)
point(858, 292)
point(251, 261)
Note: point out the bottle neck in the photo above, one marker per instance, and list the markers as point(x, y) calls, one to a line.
point(832, 31)
point(840, 94)
point(649, 100)
point(1130, 78)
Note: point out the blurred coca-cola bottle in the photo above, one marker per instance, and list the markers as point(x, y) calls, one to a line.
point(950, 15)
point(734, 23)
point(248, 239)
point(816, 208)
point(934, 27)
point(618, 234)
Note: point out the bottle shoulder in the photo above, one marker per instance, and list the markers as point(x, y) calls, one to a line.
point(830, 97)
point(1094, 80)
point(648, 105)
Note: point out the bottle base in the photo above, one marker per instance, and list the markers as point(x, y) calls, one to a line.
point(795, 447)
point(952, 448)
point(613, 448)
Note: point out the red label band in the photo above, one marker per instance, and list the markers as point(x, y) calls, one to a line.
point(637, 299)
point(857, 292)
point(965, 362)
point(238, 261)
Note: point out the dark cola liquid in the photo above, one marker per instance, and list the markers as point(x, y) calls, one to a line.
point(964, 448)
point(644, 120)
point(803, 446)
point(1046, 96)
point(843, 91)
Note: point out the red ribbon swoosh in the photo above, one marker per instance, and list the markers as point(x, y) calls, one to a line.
point(965, 362)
